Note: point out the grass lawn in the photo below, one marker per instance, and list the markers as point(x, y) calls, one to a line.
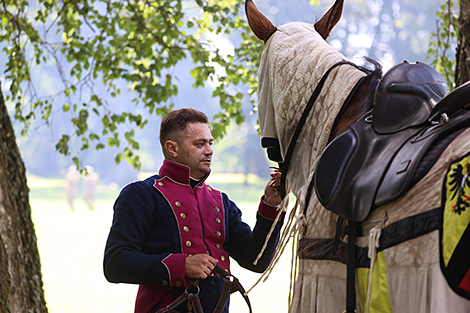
point(71, 245)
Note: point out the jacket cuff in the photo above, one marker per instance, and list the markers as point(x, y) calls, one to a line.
point(268, 211)
point(176, 265)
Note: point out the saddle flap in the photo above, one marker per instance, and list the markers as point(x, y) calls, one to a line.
point(350, 169)
point(332, 165)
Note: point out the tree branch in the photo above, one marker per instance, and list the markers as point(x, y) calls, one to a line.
point(142, 23)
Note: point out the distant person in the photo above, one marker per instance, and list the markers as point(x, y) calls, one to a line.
point(91, 181)
point(72, 181)
point(172, 227)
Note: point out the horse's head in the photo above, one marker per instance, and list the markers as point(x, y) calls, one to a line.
point(295, 58)
point(263, 28)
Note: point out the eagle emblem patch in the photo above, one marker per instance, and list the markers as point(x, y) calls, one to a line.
point(455, 230)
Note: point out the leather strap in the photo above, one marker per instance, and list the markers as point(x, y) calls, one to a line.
point(235, 286)
point(224, 296)
point(188, 298)
point(191, 300)
point(339, 225)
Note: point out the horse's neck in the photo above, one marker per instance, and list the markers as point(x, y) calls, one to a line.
point(355, 109)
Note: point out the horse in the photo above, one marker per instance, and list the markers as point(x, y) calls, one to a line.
point(402, 253)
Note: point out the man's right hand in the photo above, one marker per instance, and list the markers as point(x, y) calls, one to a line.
point(199, 265)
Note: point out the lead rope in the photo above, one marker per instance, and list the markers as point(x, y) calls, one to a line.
point(299, 226)
point(280, 209)
point(290, 229)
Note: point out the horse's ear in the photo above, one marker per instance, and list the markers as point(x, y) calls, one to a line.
point(330, 19)
point(259, 24)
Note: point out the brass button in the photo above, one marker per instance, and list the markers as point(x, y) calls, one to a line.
point(217, 209)
point(164, 283)
point(160, 183)
point(219, 233)
point(186, 228)
point(183, 216)
point(209, 188)
point(177, 203)
point(222, 258)
point(188, 243)
point(217, 220)
point(178, 284)
point(218, 246)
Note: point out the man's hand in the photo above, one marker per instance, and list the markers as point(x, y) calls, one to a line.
point(271, 196)
point(199, 265)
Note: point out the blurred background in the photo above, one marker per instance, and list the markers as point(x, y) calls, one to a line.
point(71, 245)
point(72, 213)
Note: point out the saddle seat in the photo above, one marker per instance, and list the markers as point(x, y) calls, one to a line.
point(380, 156)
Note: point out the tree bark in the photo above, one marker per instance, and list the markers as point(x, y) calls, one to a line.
point(462, 69)
point(21, 286)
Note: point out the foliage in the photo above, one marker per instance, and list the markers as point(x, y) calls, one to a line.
point(103, 48)
point(116, 44)
point(444, 40)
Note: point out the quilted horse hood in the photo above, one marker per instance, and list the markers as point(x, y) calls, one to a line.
point(293, 61)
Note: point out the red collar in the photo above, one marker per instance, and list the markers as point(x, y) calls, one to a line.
point(177, 172)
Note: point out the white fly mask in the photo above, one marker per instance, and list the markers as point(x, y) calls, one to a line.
point(294, 60)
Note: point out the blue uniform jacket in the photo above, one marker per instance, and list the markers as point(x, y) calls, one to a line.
point(158, 222)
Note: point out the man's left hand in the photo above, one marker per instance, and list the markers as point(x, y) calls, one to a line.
point(271, 195)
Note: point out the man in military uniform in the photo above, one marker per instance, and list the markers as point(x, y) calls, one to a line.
point(173, 227)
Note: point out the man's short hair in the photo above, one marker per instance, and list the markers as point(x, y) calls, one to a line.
point(176, 121)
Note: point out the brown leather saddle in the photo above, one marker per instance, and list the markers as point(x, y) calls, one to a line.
point(387, 151)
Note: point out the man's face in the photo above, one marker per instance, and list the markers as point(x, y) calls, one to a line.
point(195, 150)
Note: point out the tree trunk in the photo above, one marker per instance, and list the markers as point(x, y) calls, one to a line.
point(21, 287)
point(462, 69)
